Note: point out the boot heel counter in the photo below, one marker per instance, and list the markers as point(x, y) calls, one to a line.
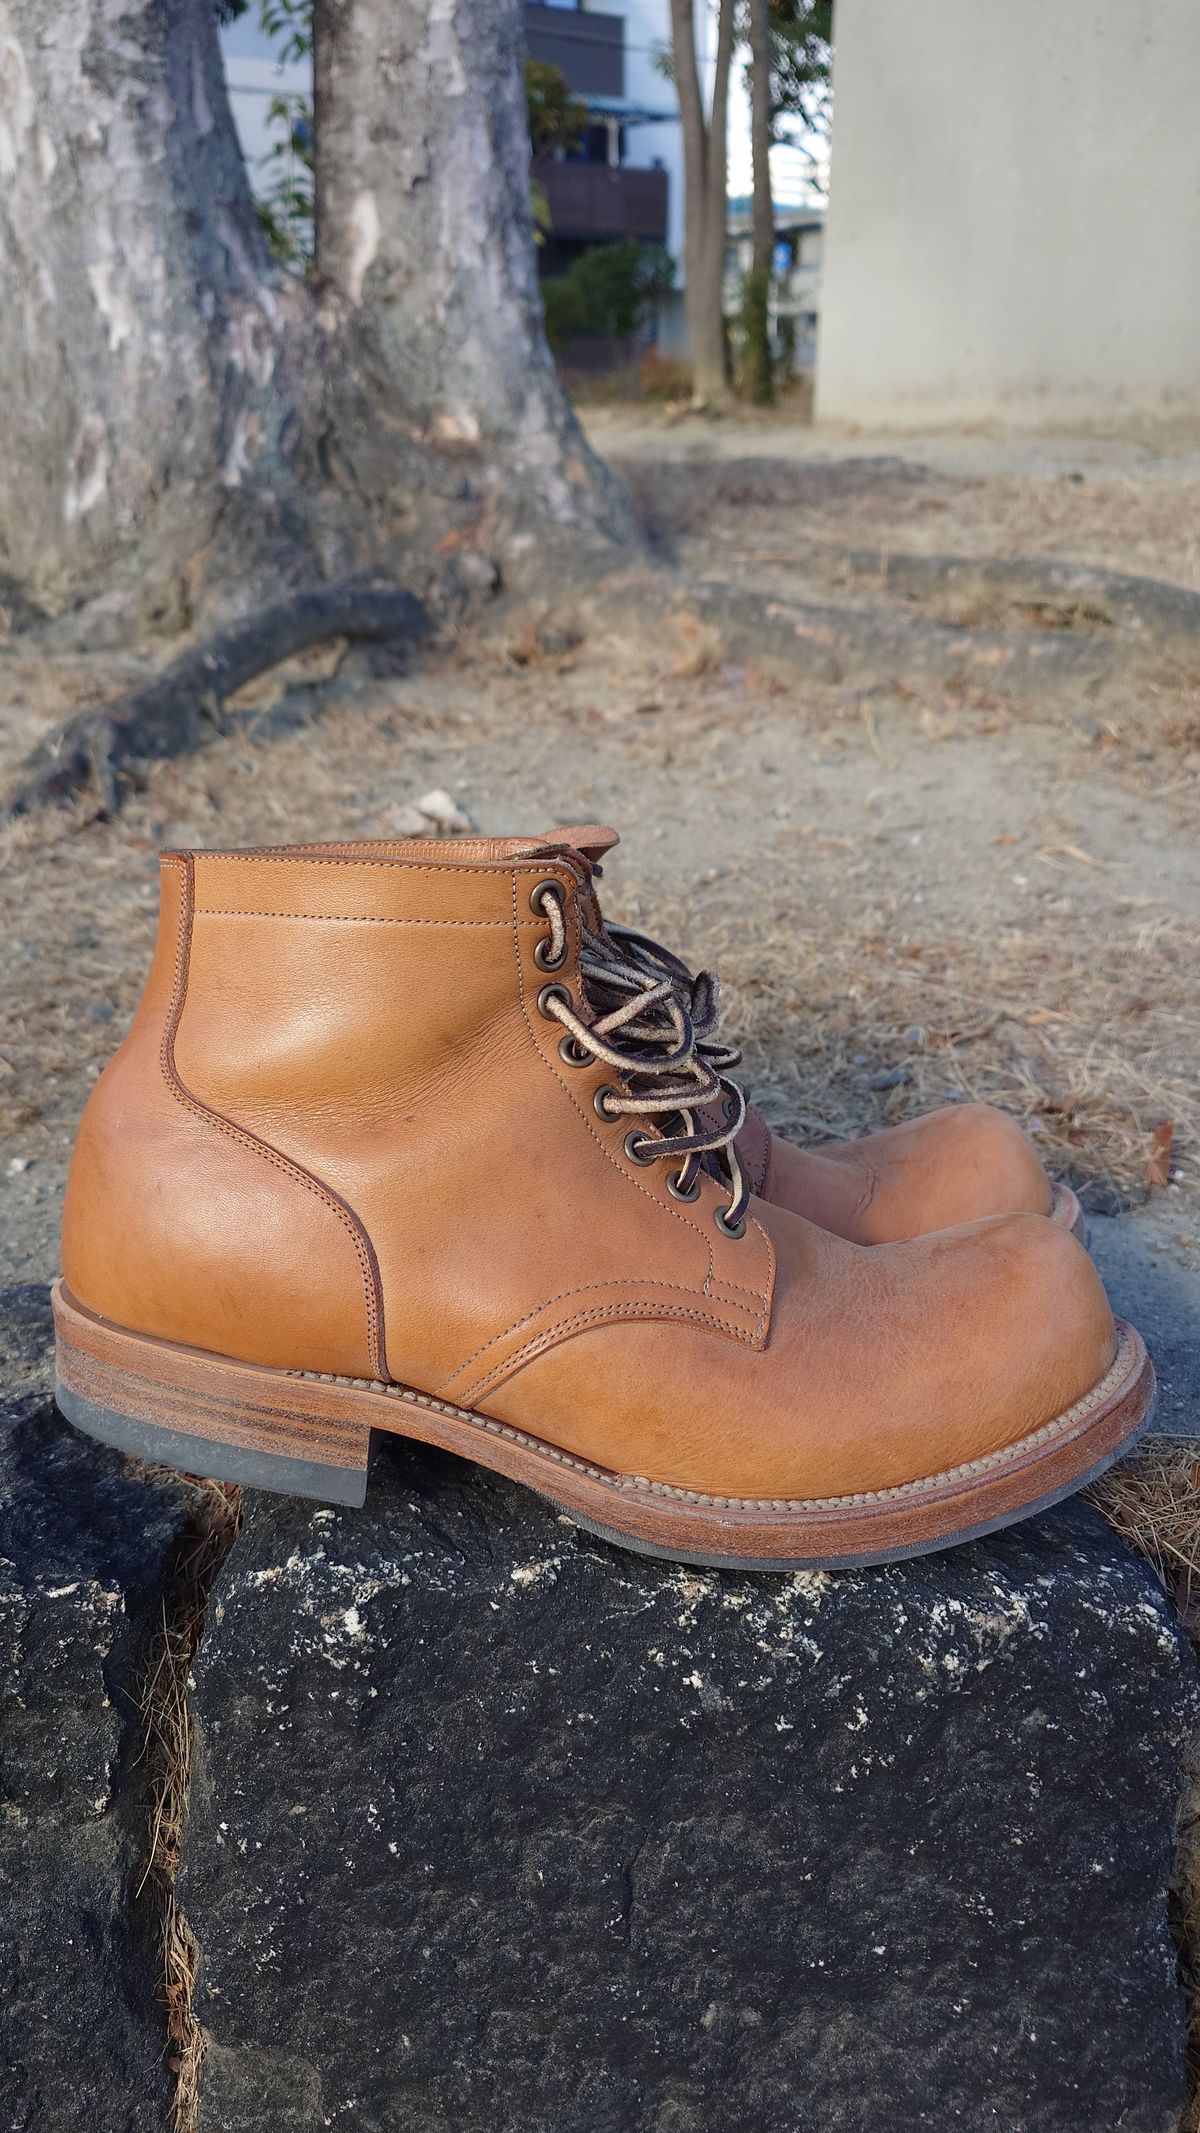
point(176, 1223)
point(95, 1237)
point(100, 1229)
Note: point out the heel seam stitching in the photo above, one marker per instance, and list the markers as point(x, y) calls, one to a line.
point(372, 1288)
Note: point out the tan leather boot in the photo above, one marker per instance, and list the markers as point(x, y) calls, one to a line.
point(954, 1165)
point(371, 1161)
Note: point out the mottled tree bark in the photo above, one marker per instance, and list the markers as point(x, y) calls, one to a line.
point(760, 135)
point(423, 222)
point(189, 429)
point(706, 164)
point(138, 321)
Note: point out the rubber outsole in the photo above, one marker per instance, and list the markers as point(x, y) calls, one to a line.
point(158, 1446)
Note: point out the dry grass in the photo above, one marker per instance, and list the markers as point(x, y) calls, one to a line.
point(1113, 517)
point(1153, 1500)
point(167, 1765)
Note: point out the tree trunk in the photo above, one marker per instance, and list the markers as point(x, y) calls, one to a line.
point(122, 194)
point(705, 155)
point(756, 291)
point(424, 221)
point(190, 429)
point(760, 135)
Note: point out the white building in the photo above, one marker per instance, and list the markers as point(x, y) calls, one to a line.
point(1014, 214)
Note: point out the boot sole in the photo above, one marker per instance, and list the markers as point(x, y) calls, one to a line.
point(304, 1434)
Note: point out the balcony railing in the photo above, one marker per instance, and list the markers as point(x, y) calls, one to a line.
point(595, 201)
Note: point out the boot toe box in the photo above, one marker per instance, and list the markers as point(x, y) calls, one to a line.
point(949, 1349)
point(956, 1165)
point(1039, 1329)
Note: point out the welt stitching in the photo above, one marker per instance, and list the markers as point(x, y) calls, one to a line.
point(584, 1288)
point(598, 1316)
point(280, 1162)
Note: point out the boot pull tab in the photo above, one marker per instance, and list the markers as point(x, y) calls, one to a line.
point(590, 838)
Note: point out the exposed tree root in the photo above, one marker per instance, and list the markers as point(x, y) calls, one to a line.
point(181, 708)
point(1148, 614)
point(819, 641)
point(879, 644)
point(1027, 626)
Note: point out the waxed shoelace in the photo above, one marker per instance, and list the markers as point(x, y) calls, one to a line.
point(655, 1024)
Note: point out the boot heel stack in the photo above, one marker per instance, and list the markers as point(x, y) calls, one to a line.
point(228, 1421)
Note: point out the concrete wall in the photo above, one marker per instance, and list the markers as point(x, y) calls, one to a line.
point(1014, 213)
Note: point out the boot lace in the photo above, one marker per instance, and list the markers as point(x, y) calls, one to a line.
point(655, 1024)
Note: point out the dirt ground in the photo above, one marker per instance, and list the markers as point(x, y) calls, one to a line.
point(912, 894)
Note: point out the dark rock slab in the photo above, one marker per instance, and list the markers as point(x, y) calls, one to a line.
point(1155, 1283)
point(499, 1830)
point(82, 1551)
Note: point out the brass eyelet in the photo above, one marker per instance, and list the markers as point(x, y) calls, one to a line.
point(635, 1145)
point(572, 1053)
point(543, 954)
point(727, 1228)
point(600, 1102)
point(552, 992)
point(675, 1189)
